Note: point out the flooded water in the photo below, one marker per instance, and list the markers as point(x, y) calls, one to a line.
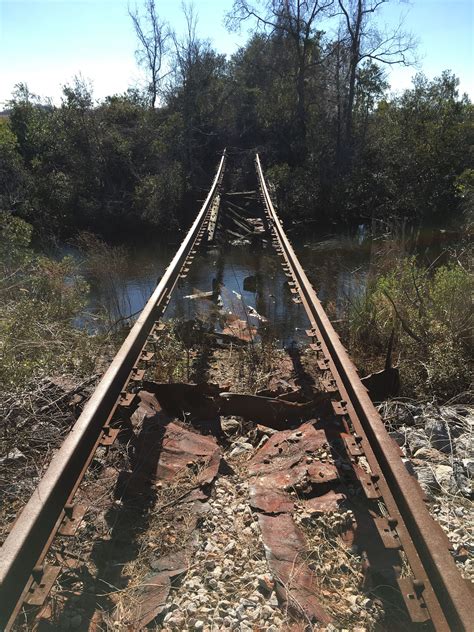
point(338, 266)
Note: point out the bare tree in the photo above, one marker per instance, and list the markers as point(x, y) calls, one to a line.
point(188, 49)
point(297, 20)
point(364, 41)
point(197, 71)
point(153, 35)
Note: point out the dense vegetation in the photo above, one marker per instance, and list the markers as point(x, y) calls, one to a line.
point(315, 105)
point(308, 92)
point(40, 300)
point(427, 310)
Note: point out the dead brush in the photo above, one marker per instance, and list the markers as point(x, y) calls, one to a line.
point(170, 524)
point(34, 422)
point(247, 369)
point(337, 570)
point(170, 363)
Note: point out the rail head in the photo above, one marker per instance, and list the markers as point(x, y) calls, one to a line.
point(41, 516)
point(453, 594)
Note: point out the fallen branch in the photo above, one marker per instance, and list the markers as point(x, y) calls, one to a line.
point(403, 322)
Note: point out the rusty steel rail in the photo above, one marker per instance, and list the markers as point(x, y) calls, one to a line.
point(22, 555)
point(436, 592)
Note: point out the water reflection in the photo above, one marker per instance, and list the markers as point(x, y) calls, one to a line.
point(271, 299)
point(337, 265)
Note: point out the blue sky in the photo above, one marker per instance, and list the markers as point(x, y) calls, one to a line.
point(46, 42)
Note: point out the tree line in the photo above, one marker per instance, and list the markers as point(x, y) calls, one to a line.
point(308, 91)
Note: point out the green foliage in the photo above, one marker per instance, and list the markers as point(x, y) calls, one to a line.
point(431, 315)
point(40, 299)
point(13, 175)
point(423, 141)
point(15, 239)
point(111, 166)
point(464, 185)
point(158, 197)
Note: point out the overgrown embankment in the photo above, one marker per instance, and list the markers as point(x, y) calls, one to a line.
point(428, 311)
point(48, 365)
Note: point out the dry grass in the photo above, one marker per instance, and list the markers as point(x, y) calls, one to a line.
point(168, 527)
point(338, 572)
point(247, 369)
point(34, 423)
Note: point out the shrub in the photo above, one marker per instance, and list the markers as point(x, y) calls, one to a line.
point(40, 299)
point(432, 319)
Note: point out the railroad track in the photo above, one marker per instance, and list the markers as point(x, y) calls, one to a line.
point(430, 586)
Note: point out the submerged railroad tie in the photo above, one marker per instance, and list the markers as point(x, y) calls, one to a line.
point(24, 575)
point(436, 592)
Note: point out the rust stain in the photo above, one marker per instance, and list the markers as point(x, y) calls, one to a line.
point(329, 502)
point(182, 448)
point(286, 460)
point(152, 600)
point(285, 551)
point(270, 500)
point(285, 463)
point(240, 329)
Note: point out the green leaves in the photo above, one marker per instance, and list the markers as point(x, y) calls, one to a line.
point(431, 314)
point(40, 299)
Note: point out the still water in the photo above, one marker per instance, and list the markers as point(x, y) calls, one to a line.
point(338, 265)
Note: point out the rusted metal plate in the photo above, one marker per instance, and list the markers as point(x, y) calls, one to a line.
point(327, 503)
point(353, 447)
point(72, 519)
point(109, 435)
point(339, 407)
point(151, 602)
point(275, 413)
point(387, 534)
point(241, 330)
point(285, 550)
point(147, 356)
point(285, 449)
point(322, 473)
point(137, 375)
point(368, 482)
point(286, 462)
point(127, 399)
point(271, 501)
point(42, 584)
point(149, 405)
point(413, 599)
point(165, 453)
point(329, 385)
point(198, 399)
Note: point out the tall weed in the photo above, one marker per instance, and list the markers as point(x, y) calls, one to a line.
point(40, 299)
point(431, 315)
point(106, 266)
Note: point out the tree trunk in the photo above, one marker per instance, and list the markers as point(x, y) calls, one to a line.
point(354, 61)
